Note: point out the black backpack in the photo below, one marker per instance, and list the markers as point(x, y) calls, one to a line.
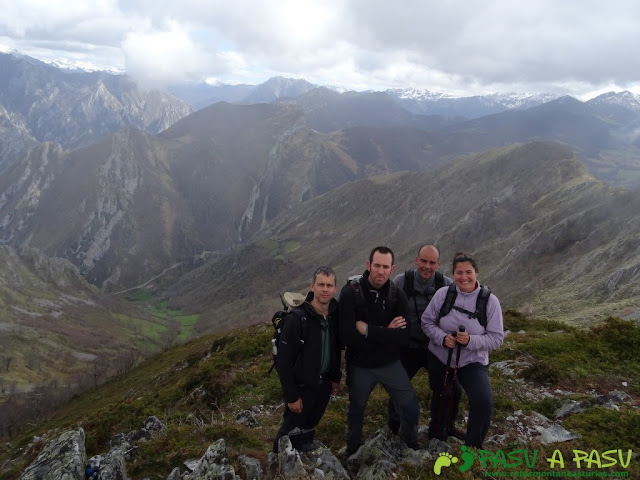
point(354, 282)
point(409, 276)
point(481, 304)
point(290, 304)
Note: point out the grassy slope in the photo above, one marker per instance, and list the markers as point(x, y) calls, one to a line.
point(197, 389)
point(44, 348)
point(57, 328)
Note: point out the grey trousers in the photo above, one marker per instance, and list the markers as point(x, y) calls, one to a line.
point(393, 377)
point(413, 359)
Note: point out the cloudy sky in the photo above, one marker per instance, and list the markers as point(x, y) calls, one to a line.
point(462, 47)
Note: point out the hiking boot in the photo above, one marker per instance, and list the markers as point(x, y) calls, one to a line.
point(300, 438)
point(394, 428)
point(413, 445)
point(349, 452)
point(457, 433)
point(309, 446)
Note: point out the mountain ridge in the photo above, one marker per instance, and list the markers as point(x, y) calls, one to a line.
point(549, 215)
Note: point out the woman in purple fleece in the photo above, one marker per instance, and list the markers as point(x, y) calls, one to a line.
point(459, 349)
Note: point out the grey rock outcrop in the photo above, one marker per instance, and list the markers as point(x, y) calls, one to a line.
point(63, 458)
point(247, 418)
point(175, 474)
point(289, 461)
point(511, 367)
point(556, 433)
point(370, 463)
point(319, 462)
point(214, 464)
point(612, 400)
point(113, 466)
point(570, 407)
point(153, 425)
point(381, 454)
point(125, 442)
point(324, 463)
point(251, 467)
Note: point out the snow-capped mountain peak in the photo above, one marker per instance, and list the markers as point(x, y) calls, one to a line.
point(419, 94)
point(623, 99)
point(68, 64)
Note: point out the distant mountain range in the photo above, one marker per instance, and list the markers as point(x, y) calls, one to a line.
point(413, 100)
point(35, 97)
point(605, 131)
point(200, 95)
point(428, 103)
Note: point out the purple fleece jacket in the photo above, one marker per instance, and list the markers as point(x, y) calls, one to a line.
point(481, 340)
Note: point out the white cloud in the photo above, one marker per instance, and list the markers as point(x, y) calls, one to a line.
point(452, 46)
point(7, 45)
point(24, 18)
point(161, 57)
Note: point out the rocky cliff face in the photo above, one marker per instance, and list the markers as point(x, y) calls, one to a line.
point(44, 103)
point(15, 136)
point(102, 208)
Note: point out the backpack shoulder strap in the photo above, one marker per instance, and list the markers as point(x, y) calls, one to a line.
point(393, 293)
point(449, 300)
point(481, 305)
point(408, 283)
point(359, 294)
point(439, 280)
point(300, 314)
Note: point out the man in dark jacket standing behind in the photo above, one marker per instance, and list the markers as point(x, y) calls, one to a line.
point(374, 330)
point(420, 284)
point(308, 359)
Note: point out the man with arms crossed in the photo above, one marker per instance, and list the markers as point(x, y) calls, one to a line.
point(373, 329)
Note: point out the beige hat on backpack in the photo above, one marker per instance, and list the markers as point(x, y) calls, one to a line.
point(293, 299)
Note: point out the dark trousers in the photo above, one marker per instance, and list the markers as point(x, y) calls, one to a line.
point(413, 359)
point(314, 403)
point(474, 379)
point(393, 377)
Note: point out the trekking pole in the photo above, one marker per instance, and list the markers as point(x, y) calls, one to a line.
point(443, 391)
point(450, 415)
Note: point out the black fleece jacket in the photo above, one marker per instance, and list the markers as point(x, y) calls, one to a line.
point(382, 345)
point(298, 363)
